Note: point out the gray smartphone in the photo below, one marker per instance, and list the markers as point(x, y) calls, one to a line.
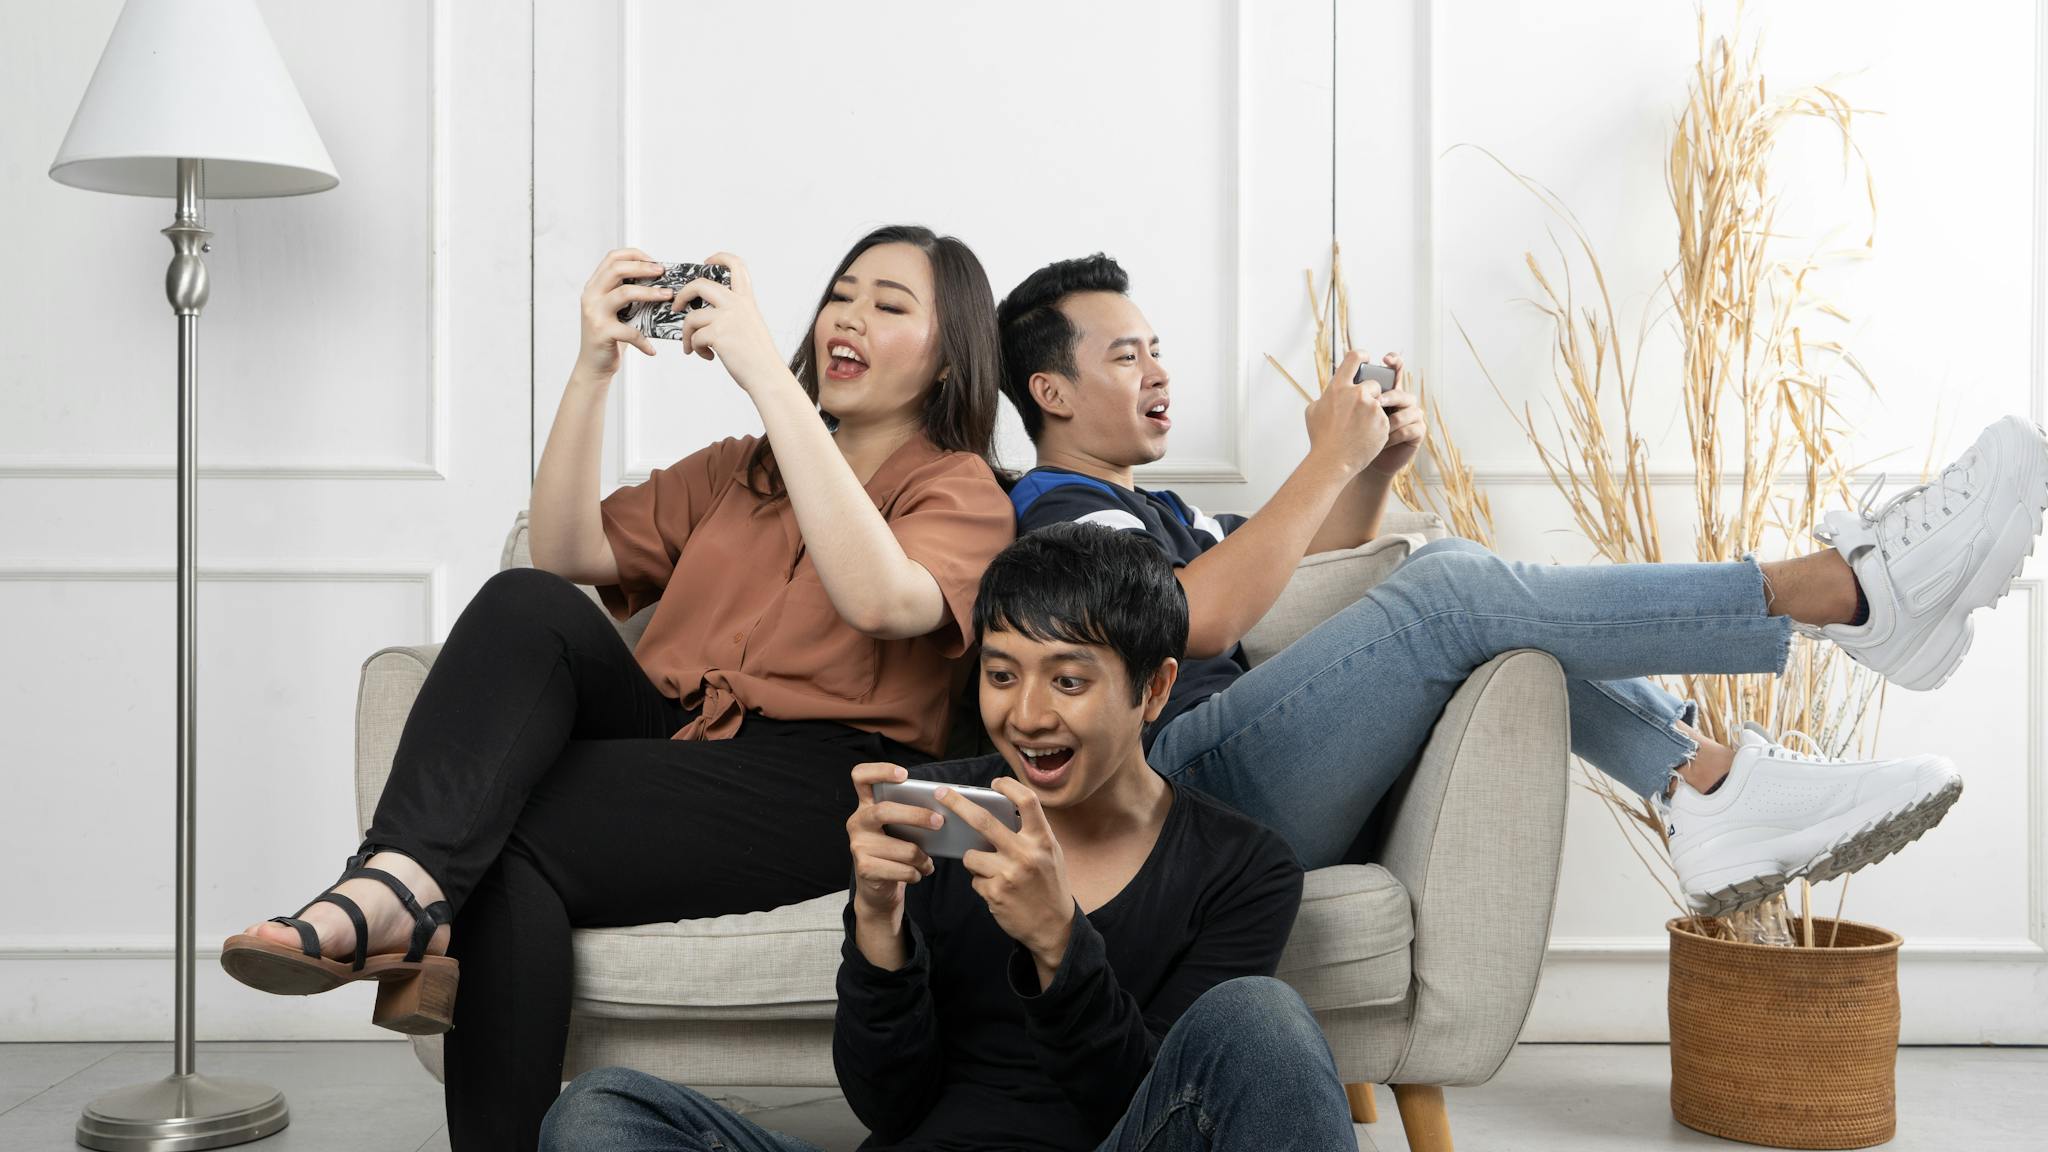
point(1378, 373)
point(956, 836)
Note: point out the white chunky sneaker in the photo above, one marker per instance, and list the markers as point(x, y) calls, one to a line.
point(1782, 815)
point(1933, 554)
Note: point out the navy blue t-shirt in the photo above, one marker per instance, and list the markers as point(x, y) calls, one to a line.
point(1056, 495)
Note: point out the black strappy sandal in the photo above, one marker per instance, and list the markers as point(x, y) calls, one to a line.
point(415, 991)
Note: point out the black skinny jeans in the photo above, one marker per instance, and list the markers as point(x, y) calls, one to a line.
point(536, 782)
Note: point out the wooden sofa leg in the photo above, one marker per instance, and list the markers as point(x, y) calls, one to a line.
point(1363, 1110)
point(1423, 1117)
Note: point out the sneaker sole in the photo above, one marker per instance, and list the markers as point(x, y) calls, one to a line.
point(1932, 674)
point(1885, 837)
point(1881, 837)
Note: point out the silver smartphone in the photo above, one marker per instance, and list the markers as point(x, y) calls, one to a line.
point(1377, 373)
point(956, 836)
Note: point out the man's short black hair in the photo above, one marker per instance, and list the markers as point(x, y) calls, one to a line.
point(1088, 584)
point(1037, 336)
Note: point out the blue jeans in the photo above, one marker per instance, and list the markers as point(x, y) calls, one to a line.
point(1308, 742)
point(1245, 1067)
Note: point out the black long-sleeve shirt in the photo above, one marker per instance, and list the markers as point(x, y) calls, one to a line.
point(960, 1050)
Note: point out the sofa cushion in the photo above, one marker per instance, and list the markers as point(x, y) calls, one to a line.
point(1349, 950)
point(773, 965)
point(1351, 942)
point(518, 553)
point(1321, 585)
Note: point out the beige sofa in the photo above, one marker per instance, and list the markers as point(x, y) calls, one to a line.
point(1420, 966)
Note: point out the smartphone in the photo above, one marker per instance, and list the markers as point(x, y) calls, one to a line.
point(655, 317)
point(1378, 373)
point(956, 836)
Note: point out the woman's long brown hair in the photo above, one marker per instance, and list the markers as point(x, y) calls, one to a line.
point(960, 406)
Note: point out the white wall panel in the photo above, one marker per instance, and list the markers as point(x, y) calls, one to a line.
point(1584, 101)
point(990, 127)
point(364, 420)
point(1210, 182)
point(318, 347)
point(89, 775)
point(380, 365)
point(1949, 321)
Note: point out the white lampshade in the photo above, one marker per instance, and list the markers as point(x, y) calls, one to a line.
point(197, 80)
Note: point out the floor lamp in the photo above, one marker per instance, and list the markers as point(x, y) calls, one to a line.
point(190, 100)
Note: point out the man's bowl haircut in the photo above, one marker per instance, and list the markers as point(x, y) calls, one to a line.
point(1088, 584)
point(1037, 336)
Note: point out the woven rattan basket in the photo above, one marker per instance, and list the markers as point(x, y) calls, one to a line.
point(1786, 1047)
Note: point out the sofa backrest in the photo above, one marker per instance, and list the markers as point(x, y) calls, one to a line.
point(1321, 585)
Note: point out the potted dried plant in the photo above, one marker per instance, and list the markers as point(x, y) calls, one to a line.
point(1754, 379)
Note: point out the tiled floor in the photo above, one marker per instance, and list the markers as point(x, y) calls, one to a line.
point(374, 1097)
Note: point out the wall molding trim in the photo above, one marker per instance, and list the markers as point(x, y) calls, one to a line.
point(1238, 379)
point(158, 468)
point(2039, 315)
point(96, 466)
point(1521, 473)
point(2036, 588)
point(634, 469)
point(1998, 948)
point(94, 948)
point(1429, 289)
point(429, 578)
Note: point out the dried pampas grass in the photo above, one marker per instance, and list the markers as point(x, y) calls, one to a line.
point(1756, 381)
point(1455, 495)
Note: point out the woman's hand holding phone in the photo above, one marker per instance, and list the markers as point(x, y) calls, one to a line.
point(732, 327)
point(597, 355)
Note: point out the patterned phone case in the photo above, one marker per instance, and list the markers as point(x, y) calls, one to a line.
point(655, 317)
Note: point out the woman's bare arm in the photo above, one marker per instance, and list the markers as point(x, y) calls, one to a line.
point(564, 530)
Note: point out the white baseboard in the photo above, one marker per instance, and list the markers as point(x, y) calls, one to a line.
point(126, 995)
point(1950, 992)
point(1606, 991)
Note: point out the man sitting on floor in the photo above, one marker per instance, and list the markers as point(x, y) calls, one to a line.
point(1099, 978)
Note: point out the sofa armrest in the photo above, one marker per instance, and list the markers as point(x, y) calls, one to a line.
point(518, 553)
point(390, 682)
point(1476, 834)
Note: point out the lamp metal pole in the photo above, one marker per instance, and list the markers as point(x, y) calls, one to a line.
point(186, 1111)
point(185, 284)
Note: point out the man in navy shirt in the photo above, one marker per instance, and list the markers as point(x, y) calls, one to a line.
point(1309, 741)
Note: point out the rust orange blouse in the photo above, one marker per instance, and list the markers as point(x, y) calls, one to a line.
point(743, 622)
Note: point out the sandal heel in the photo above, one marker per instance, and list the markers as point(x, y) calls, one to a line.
point(421, 1002)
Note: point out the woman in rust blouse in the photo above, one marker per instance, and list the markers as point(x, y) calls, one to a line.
point(813, 589)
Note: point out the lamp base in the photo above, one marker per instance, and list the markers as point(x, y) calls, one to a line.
point(182, 1113)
